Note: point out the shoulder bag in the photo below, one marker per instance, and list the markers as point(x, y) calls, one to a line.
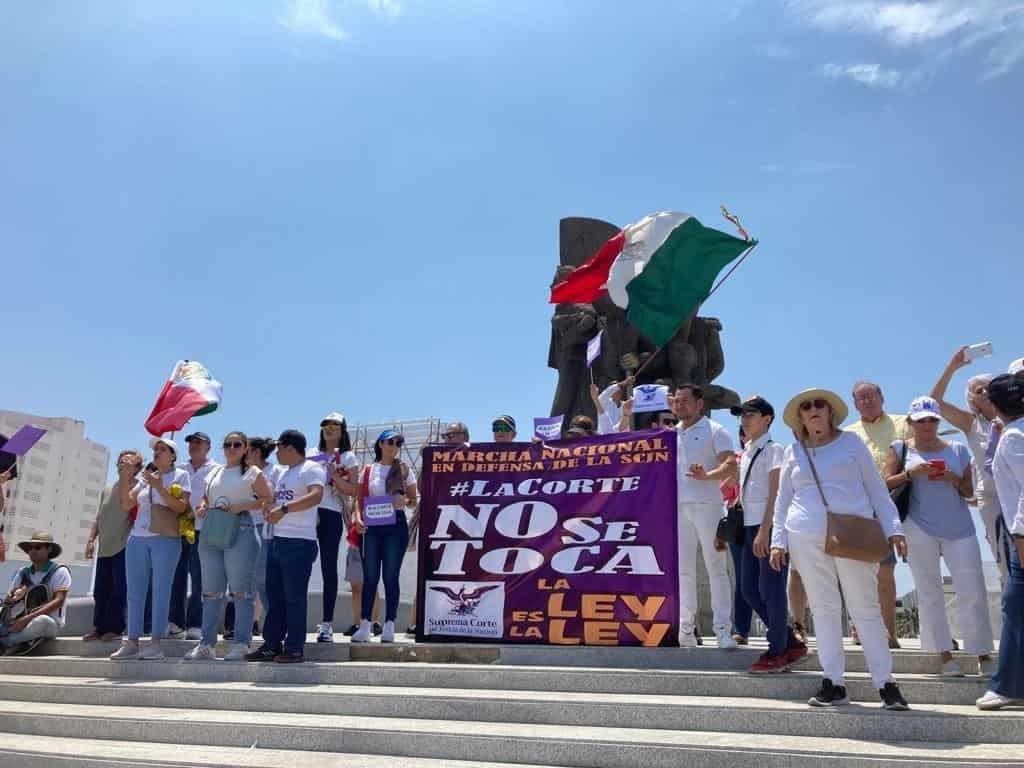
point(901, 493)
point(220, 527)
point(850, 536)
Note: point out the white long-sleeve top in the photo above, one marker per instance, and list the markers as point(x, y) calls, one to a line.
point(1008, 470)
point(849, 480)
point(608, 420)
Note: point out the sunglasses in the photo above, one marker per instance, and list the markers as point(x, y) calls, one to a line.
point(396, 441)
point(926, 421)
point(38, 546)
point(450, 435)
point(817, 402)
point(499, 426)
point(235, 444)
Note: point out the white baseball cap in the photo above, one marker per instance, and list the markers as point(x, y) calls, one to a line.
point(154, 441)
point(924, 408)
point(333, 416)
point(1016, 366)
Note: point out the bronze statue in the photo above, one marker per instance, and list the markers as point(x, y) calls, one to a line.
point(694, 354)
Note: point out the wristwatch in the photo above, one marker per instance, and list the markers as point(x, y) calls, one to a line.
point(284, 509)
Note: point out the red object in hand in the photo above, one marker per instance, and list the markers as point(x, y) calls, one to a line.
point(938, 469)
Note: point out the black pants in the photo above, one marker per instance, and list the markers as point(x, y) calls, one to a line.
point(329, 530)
point(110, 595)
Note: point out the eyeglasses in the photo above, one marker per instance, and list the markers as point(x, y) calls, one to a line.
point(236, 445)
point(817, 402)
point(396, 441)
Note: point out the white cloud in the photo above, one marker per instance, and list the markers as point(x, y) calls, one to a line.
point(950, 26)
point(311, 17)
point(873, 75)
point(316, 17)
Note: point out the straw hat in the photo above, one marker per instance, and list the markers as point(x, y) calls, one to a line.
point(41, 537)
point(792, 413)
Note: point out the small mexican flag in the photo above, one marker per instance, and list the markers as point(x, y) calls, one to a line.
point(659, 270)
point(190, 391)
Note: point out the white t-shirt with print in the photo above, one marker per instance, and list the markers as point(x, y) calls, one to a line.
point(332, 499)
point(61, 580)
point(294, 483)
point(144, 518)
point(227, 485)
point(701, 444)
point(754, 484)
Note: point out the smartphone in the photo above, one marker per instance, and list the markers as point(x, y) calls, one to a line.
point(973, 352)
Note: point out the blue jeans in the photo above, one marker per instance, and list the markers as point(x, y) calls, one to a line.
point(1009, 678)
point(188, 613)
point(289, 565)
point(764, 590)
point(260, 578)
point(234, 567)
point(145, 557)
point(742, 613)
point(383, 549)
point(109, 594)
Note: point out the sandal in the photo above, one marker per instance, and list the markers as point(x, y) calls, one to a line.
point(90, 636)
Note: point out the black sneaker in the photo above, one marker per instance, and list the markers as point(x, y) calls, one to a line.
point(255, 628)
point(829, 695)
point(261, 654)
point(229, 634)
point(892, 699)
point(351, 630)
point(696, 634)
point(377, 628)
point(411, 629)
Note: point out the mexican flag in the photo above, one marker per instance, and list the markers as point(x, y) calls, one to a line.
point(190, 391)
point(659, 270)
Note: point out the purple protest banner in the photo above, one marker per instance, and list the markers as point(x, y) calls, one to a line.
point(569, 543)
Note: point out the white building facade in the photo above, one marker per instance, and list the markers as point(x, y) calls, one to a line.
point(58, 485)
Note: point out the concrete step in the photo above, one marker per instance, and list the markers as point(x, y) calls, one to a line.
point(24, 751)
point(576, 747)
point(906, 661)
point(962, 723)
point(798, 686)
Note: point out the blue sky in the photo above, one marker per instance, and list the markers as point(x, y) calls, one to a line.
point(354, 204)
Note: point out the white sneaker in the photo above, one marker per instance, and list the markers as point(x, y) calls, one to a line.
point(194, 633)
point(686, 638)
point(951, 669)
point(151, 652)
point(174, 631)
point(993, 700)
point(987, 667)
point(325, 632)
point(236, 652)
point(387, 635)
point(725, 641)
point(128, 651)
point(201, 653)
point(362, 634)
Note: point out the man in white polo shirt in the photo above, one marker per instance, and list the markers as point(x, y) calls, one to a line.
point(705, 458)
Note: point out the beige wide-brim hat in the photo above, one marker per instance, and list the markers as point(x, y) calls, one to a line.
point(792, 413)
point(41, 537)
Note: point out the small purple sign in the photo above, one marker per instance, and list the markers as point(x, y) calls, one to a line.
point(379, 510)
point(548, 427)
point(23, 440)
point(563, 544)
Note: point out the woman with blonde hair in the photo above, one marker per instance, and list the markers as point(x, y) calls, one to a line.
point(825, 472)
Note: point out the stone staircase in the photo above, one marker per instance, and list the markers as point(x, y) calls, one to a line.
point(426, 706)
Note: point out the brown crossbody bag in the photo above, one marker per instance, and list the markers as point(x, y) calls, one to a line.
point(850, 536)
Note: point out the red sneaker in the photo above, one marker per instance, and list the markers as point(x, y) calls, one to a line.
point(768, 664)
point(794, 654)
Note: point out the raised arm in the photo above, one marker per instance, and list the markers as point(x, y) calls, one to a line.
point(958, 417)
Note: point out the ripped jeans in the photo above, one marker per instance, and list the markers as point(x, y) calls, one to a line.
point(233, 568)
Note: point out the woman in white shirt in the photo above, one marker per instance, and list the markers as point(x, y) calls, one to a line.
point(152, 555)
point(342, 468)
point(388, 488)
point(976, 424)
point(847, 483)
point(234, 489)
